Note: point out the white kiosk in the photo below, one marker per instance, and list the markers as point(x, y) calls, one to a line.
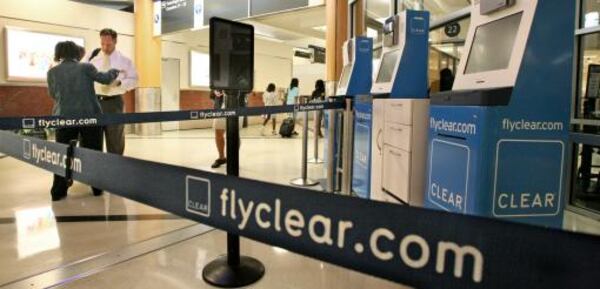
point(400, 111)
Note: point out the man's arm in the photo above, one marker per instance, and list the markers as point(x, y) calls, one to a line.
point(130, 77)
point(101, 77)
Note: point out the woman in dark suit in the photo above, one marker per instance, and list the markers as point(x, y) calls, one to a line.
point(71, 86)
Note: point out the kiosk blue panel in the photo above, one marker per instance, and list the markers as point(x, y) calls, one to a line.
point(361, 166)
point(515, 169)
point(411, 77)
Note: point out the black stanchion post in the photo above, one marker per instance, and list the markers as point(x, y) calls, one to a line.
point(233, 270)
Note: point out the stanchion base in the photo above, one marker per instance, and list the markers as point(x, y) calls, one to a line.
point(315, 161)
point(219, 273)
point(300, 182)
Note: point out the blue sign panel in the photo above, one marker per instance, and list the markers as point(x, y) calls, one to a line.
point(528, 178)
point(361, 170)
point(448, 176)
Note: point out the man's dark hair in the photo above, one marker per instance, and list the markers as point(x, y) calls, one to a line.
point(67, 50)
point(109, 32)
point(271, 87)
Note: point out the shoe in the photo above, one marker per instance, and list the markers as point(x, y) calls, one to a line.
point(56, 198)
point(262, 131)
point(294, 133)
point(218, 163)
point(274, 133)
point(97, 192)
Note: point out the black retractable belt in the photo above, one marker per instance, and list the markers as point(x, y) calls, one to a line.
point(69, 162)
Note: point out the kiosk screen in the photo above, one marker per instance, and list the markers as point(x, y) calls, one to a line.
point(345, 75)
point(493, 45)
point(386, 69)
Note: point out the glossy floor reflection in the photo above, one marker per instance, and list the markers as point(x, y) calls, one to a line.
point(37, 235)
point(181, 267)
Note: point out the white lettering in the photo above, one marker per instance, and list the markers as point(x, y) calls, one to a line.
point(525, 200)
point(245, 212)
point(459, 258)
point(424, 247)
point(342, 227)
point(502, 204)
point(277, 215)
point(549, 200)
point(325, 238)
point(224, 199)
point(232, 207)
point(373, 243)
point(537, 201)
point(259, 209)
point(294, 222)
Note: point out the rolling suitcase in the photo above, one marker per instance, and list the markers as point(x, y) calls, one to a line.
point(287, 127)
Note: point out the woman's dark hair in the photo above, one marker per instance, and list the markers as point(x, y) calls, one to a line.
point(294, 83)
point(81, 53)
point(320, 85)
point(66, 50)
point(270, 87)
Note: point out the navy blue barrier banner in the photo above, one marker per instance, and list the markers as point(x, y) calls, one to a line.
point(145, 117)
point(422, 248)
point(49, 156)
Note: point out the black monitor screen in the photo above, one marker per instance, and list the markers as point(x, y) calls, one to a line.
point(386, 69)
point(493, 45)
point(231, 55)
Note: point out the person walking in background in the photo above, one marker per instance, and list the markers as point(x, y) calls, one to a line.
point(292, 98)
point(318, 95)
point(293, 92)
point(446, 79)
point(111, 95)
point(270, 99)
point(219, 124)
point(71, 86)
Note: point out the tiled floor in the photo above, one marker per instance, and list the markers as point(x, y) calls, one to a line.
point(38, 236)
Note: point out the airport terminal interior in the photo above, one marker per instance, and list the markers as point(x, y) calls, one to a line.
point(456, 106)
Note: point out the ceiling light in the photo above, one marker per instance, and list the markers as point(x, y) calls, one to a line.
point(322, 28)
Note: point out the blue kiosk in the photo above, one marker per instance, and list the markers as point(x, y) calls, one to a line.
point(390, 122)
point(498, 140)
point(355, 81)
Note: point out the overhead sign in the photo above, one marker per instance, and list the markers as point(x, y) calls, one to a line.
point(452, 29)
point(176, 15)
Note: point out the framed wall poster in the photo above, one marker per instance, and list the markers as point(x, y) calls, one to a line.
point(29, 54)
point(199, 69)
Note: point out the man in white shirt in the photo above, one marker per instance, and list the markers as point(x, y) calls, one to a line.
point(111, 96)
